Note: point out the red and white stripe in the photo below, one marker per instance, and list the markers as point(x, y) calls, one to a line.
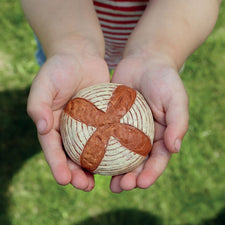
point(118, 19)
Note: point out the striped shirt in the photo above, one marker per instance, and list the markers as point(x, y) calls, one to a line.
point(118, 19)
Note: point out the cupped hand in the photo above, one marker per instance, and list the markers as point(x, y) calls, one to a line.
point(159, 82)
point(57, 82)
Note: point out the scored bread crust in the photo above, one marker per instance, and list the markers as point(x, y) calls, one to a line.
point(108, 130)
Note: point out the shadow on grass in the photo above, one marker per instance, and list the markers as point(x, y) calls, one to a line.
point(219, 219)
point(123, 217)
point(137, 217)
point(18, 142)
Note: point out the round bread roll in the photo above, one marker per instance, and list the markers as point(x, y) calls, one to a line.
point(107, 129)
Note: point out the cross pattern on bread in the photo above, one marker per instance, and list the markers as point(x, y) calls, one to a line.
point(108, 125)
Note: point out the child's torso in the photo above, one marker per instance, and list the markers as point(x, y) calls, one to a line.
point(117, 19)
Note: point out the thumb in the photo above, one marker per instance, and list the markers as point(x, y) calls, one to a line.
point(39, 106)
point(177, 118)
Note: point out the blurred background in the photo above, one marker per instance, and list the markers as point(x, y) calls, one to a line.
point(192, 189)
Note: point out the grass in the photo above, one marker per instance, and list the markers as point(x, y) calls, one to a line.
point(190, 192)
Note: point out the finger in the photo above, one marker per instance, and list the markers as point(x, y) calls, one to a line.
point(127, 181)
point(177, 118)
point(39, 105)
point(55, 156)
point(91, 181)
point(115, 184)
point(154, 166)
point(80, 179)
point(159, 131)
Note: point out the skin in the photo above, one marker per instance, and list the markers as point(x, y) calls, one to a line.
point(167, 33)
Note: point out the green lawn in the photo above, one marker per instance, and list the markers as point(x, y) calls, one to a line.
point(190, 192)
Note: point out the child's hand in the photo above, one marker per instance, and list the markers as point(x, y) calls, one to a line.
point(163, 89)
point(57, 81)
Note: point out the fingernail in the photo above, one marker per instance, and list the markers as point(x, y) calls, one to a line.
point(41, 126)
point(177, 145)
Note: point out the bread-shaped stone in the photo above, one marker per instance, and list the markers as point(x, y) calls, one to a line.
point(107, 129)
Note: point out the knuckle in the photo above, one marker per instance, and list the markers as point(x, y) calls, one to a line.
point(30, 110)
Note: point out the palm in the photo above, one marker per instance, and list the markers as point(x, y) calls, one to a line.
point(59, 79)
point(163, 90)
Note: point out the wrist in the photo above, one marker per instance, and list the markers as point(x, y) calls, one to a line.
point(152, 56)
point(78, 44)
point(139, 64)
point(156, 52)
